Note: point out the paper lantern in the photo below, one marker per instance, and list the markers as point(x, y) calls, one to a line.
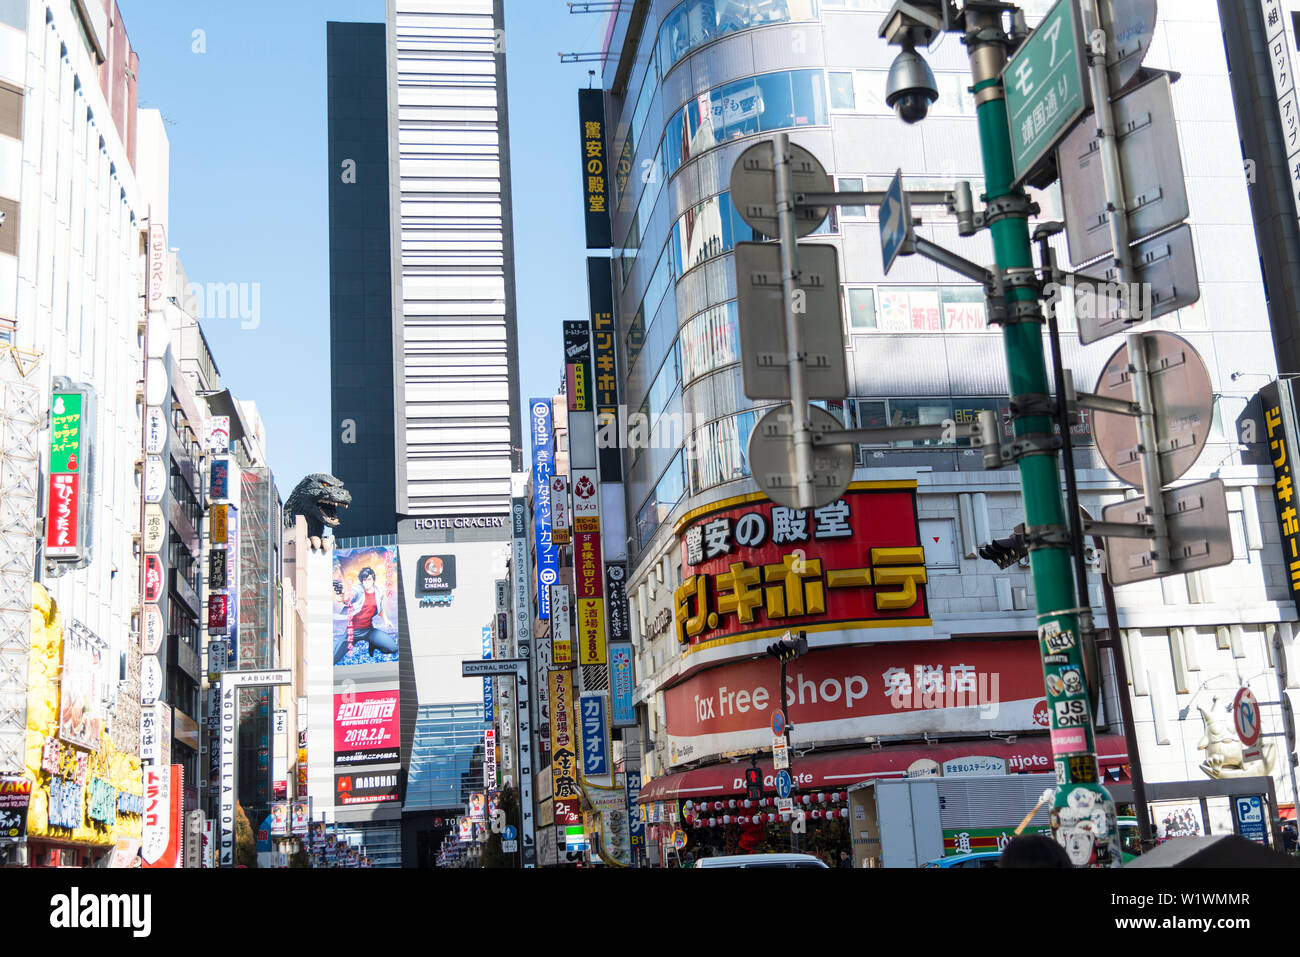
point(726, 819)
point(732, 804)
point(807, 799)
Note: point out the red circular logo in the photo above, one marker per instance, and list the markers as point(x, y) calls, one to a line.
point(1041, 717)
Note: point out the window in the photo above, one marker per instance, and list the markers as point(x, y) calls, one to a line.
point(721, 451)
point(851, 184)
point(696, 22)
point(841, 85)
point(862, 309)
point(709, 341)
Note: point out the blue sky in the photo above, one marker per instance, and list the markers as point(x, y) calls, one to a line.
point(247, 123)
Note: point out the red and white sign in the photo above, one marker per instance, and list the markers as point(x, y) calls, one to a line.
point(560, 510)
point(586, 500)
point(854, 568)
point(157, 267)
point(163, 792)
point(153, 579)
point(61, 530)
point(1245, 718)
point(218, 607)
point(846, 694)
point(366, 721)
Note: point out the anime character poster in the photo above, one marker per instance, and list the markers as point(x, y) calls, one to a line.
point(365, 606)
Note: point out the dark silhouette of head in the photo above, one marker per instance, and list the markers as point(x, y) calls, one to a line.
point(1034, 850)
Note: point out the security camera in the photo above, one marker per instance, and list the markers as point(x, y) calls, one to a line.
point(911, 87)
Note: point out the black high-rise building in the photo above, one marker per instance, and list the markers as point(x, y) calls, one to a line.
point(361, 304)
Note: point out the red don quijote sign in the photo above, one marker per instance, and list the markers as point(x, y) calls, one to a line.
point(751, 568)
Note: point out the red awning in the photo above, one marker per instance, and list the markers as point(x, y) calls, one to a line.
point(1286, 812)
point(837, 770)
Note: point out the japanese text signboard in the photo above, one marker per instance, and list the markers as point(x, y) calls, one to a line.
point(595, 737)
point(1284, 87)
point(548, 556)
point(588, 570)
point(560, 509)
point(595, 173)
point(564, 768)
point(752, 569)
point(577, 365)
point(1046, 86)
point(600, 293)
point(71, 428)
point(1283, 440)
point(366, 728)
point(848, 693)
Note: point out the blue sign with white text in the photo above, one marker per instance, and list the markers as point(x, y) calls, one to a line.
point(635, 826)
point(489, 715)
point(1249, 814)
point(548, 556)
point(595, 742)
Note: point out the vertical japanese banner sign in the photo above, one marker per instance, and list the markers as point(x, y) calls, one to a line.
point(1278, 399)
point(561, 626)
point(560, 509)
point(70, 434)
point(595, 737)
point(600, 292)
point(564, 771)
point(636, 829)
point(548, 559)
point(595, 172)
point(577, 365)
point(588, 574)
point(488, 716)
point(1284, 86)
point(620, 683)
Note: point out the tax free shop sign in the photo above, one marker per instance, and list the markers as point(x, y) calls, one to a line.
point(843, 694)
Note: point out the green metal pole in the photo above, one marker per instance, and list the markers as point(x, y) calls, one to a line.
point(1083, 813)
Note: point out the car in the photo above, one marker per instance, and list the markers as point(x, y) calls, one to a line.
point(978, 859)
point(761, 860)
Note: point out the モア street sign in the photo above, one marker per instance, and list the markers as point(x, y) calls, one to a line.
point(772, 459)
point(1165, 267)
point(1152, 166)
point(1196, 517)
point(895, 222)
point(761, 309)
point(1046, 86)
point(1183, 401)
point(753, 188)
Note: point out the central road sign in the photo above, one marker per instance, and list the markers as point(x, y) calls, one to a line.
point(1046, 86)
point(474, 668)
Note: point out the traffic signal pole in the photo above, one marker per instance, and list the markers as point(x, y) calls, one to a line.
point(1083, 813)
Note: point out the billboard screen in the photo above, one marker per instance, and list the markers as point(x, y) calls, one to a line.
point(365, 608)
point(449, 595)
point(81, 708)
point(366, 728)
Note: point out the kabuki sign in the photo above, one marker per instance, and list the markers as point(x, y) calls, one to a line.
point(72, 427)
point(751, 569)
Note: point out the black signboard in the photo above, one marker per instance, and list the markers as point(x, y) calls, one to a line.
point(616, 601)
point(1283, 438)
point(15, 796)
point(600, 295)
point(436, 575)
point(217, 569)
point(595, 168)
point(577, 365)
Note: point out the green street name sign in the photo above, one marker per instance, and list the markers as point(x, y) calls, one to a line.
point(1046, 84)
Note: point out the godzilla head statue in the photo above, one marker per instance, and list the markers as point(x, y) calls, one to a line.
point(317, 498)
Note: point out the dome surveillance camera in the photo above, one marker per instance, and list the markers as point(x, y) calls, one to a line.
point(911, 87)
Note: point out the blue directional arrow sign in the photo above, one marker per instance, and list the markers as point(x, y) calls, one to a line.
point(783, 784)
point(895, 222)
point(509, 833)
